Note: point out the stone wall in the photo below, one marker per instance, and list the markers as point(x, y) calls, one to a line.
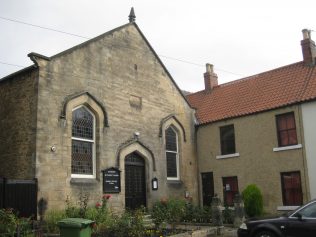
point(18, 125)
point(255, 138)
point(122, 73)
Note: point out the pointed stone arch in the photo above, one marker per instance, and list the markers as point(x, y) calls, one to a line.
point(134, 145)
point(84, 98)
point(172, 120)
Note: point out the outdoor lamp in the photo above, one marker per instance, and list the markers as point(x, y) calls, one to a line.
point(154, 183)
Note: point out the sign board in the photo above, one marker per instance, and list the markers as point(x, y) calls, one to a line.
point(111, 180)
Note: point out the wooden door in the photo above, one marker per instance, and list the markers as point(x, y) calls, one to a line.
point(207, 188)
point(230, 187)
point(135, 189)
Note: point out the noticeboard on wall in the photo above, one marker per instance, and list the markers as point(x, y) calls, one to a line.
point(111, 180)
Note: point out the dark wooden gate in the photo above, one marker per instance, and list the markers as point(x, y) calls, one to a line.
point(207, 188)
point(21, 195)
point(135, 184)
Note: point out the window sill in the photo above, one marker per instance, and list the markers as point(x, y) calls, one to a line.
point(174, 181)
point(83, 181)
point(287, 208)
point(285, 148)
point(227, 156)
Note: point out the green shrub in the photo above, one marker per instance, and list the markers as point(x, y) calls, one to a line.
point(253, 200)
point(8, 221)
point(129, 224)
point(171, 211)
point(51, 219)
point(137, 228)
point(176, 210)
point(159, 213)
point(196, 214)
point(71, 210)
point(228, 215)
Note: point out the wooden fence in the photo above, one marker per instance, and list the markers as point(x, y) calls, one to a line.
point(21, 195)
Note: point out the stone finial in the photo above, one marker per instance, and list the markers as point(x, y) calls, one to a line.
point(132, 16)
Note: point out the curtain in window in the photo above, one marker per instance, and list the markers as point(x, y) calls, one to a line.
point(286, 129)
point(292, 191)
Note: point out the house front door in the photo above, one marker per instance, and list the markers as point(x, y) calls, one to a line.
point(135, 188)
point(207, 188)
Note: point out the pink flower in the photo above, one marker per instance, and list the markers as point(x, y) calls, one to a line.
point(98, 205)
point(107, 196)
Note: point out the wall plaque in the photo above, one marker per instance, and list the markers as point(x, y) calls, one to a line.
point(111, 180)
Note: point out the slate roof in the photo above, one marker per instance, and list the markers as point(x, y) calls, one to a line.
point(280, 87)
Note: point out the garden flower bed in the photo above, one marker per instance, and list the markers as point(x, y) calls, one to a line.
point(165, 218)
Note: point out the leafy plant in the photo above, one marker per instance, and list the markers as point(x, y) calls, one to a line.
point(176, 210)
point(228, 215)
point(8, 221)
point(100, 213)
point(137, 226)
point(51, 219)
point(253, 200)
point(83, 204)
point(71, 210)
point(171, 211)
point(159, 213)
point(197, 214)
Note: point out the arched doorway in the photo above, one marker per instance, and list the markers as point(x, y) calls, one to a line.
point(135, 183)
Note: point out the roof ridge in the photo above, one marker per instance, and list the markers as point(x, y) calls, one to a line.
point(259, 74)
point(283, 86)
point(247, 78)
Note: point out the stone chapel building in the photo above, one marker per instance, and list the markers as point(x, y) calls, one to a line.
point(107, 117)
point(102, 117)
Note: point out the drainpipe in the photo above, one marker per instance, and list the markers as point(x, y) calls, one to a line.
point(305, 174)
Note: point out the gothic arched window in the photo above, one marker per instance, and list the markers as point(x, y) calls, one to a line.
point(172, 153)
point(83, 143)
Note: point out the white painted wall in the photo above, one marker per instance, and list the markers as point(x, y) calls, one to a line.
point(309, 125)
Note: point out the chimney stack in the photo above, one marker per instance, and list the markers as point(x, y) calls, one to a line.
point(210, 78)
point(308, 48)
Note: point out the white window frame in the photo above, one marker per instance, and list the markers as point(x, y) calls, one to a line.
point(93, 175)
point(177, 154)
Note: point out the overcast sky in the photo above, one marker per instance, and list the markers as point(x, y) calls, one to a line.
point(240, 37)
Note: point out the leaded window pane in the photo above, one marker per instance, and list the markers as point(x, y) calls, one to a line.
point(133, 158)
point(82, 123)
point(82, 157)
point(171, 140)
point(171, 164)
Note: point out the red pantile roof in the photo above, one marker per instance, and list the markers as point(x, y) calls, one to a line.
point(272, 89)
